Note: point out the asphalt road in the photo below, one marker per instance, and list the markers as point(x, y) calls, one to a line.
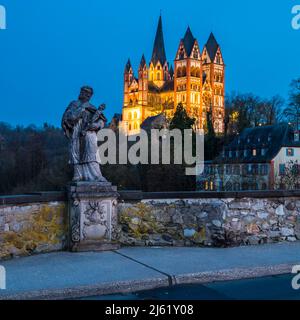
point(269, 288)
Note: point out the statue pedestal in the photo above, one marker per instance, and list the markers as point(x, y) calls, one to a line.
point(92, 216)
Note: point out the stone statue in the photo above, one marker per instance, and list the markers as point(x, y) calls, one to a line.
point(94, 121)
point(81, 123)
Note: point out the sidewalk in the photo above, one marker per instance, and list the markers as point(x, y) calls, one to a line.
point(70, 275)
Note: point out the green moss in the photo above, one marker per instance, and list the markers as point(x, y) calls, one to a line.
point(46, 228)
point(147, 224)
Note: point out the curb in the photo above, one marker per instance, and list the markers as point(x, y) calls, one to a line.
point(149, 284)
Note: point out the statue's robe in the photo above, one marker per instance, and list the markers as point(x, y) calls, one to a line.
point(91, 159)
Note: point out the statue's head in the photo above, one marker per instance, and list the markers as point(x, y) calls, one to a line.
point(86, 94)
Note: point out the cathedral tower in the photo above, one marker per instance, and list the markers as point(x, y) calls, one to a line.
point(213, 82)
point(187, 77)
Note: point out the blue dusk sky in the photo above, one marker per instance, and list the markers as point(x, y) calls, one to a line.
point(52, 47)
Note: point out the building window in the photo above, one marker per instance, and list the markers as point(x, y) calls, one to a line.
point(289, 152)
point(264, 186)
point(237, 187)
point(130, 127)
point(228, 169)
point(263, 152)
point(254, 152)
point(236, 170)
point(255, 169)
point(264, 170)
point(129, 116)
point(220, 169)
point(282, 169)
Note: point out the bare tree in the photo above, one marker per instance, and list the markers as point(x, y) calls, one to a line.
point(290, 179)
point(292, 112)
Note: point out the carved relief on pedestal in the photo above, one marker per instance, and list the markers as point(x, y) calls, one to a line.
point(96, 220)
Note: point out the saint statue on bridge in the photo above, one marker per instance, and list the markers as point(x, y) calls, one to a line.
point(81, 123)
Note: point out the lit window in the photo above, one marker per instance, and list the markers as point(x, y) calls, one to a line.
point(254, 153)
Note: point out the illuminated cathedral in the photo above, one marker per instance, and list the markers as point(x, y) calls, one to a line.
point(197, 81)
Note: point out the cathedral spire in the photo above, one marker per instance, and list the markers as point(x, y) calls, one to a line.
point(143, 62)
point(159, 53)
point(212, 46)
point(128, 66)
point(188, 41)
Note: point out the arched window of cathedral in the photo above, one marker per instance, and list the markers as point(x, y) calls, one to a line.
point(129, 116)
point(158, 76)
point(218, 58)
point(184, 71)
point(130, 127)
point(179, 73)
point(135, 115)
point(193, 72)
point(198, 72)
point(135, 126)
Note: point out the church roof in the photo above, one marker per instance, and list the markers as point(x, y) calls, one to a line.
point(155, 122)
point(128, 66)
point(143, 62)
point(269, 138)
point(167, 87)
point(212, 47)
point(159, 52)
point(188, 41)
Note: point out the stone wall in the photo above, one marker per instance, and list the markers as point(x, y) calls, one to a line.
point(27, 229)
point(209, 222)
point(38, 223)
